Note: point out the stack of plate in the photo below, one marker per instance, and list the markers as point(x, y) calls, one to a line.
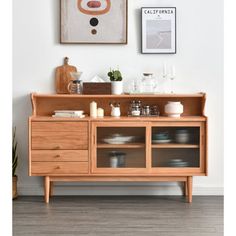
point(161, 138)
point(178, 163)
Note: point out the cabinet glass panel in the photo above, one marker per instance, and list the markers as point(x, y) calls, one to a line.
point(121, 147)
point(176, 147)
point(177, 135)
point(175, 158)
point(121, 158)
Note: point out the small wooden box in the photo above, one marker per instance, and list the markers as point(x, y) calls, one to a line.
point(96, 88)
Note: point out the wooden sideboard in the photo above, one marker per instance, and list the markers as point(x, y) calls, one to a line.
point(73, 149)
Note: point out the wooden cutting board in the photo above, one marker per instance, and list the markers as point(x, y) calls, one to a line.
point(63, 76)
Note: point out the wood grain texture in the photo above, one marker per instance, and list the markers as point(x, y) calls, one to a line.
point(122, 119)
point(46, 103)
point(59, 168)
point(70, 149)
point(60, 127)
point(59, 135)
point(59, 155)
point(190, 188)
point(63, 76)
point(59, 140)
point(118, 216)
point(128, 178)
point(46, 189)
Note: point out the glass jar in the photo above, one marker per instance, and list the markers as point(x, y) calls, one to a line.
point(135, 108)
point(148, 83)
point(146, 111)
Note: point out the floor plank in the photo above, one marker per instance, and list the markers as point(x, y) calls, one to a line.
point(118, 215)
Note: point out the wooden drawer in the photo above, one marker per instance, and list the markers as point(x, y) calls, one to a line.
point(78, 126)
point(59, 135)
point(59, 155)
point(60, 168)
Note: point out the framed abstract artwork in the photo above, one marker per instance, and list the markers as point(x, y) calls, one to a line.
point(159, 30)
point(94, 21)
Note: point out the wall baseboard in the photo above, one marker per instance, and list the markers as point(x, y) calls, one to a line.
point(126, 190)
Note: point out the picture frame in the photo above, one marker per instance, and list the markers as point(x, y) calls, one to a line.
point(94, 22)
point(158, 30)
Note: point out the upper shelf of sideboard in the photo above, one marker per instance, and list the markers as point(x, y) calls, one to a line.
point(46, 104)
point(158, 95)
point(122, 118)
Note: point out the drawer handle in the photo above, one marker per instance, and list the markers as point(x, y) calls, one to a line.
point(57, 168)
point(57, 147)
point(57, 156)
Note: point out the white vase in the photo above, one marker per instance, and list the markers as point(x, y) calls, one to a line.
point(117, 87)
point(174, 109)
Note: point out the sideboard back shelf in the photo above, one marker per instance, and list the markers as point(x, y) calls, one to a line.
point(44, 105)
point(73, 149)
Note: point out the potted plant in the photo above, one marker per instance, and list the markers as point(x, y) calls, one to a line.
point(116, 81)
point(14, 165)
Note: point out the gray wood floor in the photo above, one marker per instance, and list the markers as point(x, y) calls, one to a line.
point(119, 215)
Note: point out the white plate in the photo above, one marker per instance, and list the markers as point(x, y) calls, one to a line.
point(111, 141)
point(161, 141)
point(118, 140)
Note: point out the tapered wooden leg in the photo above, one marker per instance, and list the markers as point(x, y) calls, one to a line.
point(185, 188)
point(46, 188)
point(51, 188)
point(190, 188)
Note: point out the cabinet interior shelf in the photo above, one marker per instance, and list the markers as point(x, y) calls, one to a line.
point(174, 145)
point(130, 145)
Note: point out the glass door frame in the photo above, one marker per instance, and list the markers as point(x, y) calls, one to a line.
point(201, 170)
point(120, 171)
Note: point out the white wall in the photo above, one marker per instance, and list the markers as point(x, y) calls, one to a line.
point(199, 63)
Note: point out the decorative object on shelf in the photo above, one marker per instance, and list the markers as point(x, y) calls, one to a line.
point(115, 109)
point(182, 136)
point(69, 113)
point(174, 109)
point(100, 21)
point(117, 159)
point(178, 163)
point(164, 81)
point(75, 85)
point(148, 84)
point(135, 108)
point(96, 88)
point(159, 30)
point(93, 109)
point(113, 161)
point(14, 164)
point(63, 76)
point(168, 77)
point(133, 87)
point(146, 111)
point(100, 112)
point(155, 111)
point(161, 137)
point(172, 77)
point(116, 82)
point(118, 139)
